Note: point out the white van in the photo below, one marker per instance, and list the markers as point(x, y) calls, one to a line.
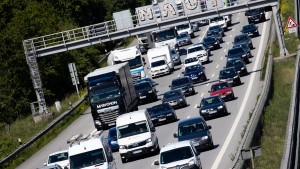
point(60, 157)
point(136, 135)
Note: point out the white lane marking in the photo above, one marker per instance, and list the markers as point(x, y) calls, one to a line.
point(188, 117)
point(195, 106)
point(213, 75)
point(201, 38)
point(239, 13)
point(221, 58)
point(227, 43)
point(207, 84)
point(217, 66)
point(241, 110)
point(202, 94)
point(225, 50)
point(232, 29)
point(237, 18)
point(178, 75)
point(230, 36)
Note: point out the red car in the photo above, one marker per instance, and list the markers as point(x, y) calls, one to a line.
point(223, 89)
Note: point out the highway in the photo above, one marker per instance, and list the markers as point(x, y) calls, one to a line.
point(227, 131)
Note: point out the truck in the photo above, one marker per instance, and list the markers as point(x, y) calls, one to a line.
point(143, 42)
point(160, 60)
point(223, 21)
point(90, 151)
point(132, 55)
point(165, 37)
point(111, 93)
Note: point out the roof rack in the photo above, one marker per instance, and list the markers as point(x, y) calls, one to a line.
point(80, 137)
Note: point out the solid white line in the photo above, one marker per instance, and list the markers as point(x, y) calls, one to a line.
point(221, 58)
point(178, 75)
point(217, 66)
point(241, 110)
point(201, 38)
point(202, 94)
point(232, 29)
point(195, 106)
point(227, 43)
point(213, 75)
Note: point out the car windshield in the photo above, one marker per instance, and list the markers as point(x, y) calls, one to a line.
point(159, 108)
point(181, 27)
point(210, 100)
point(158, 63)
point(172, 93)
point(192, 128)
point(247, 27)
point(87, 159)
point(253, 12)
point(58, 157)
point(177, 154)
point(243, 45)
point(132, 129)
point(212, 33)
point(195, 49)
point(182, 35)
point(144, 80)
point(214, 28)
point(209, 39)
point(219, 86)
point(104, 92)
point(240, 38)
point(193, 68)
point(191, 60)
point(143, 86)
point(216, 19)
point(234, 63)
point(226, 72)
point(180, 81)
point(235, 51)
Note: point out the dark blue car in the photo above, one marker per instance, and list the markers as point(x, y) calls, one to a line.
point(212, 42)
point(238, 52)
point(162, 113)
point(112, 139)
point(195, 72)
point(239, 66)
point(185, 84)
point(250, 30)
point(196, 130)
point(212, 106)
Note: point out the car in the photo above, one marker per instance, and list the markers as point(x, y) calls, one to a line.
point(222, 89)
point(60, 158)
point(203, 22)
point(212, 106)
point(239, 66)
point(181, 155)
point(175, 57)
point(212, 42)
point(204, 46)
point(250, 30)
point(162, 113)
point(245, 47)
point(238, 52)
point(144, 48)
point(185, 28)
point(189, 61)
point(175, 98)
point(256, 15)
point(198, 51)
point(55, 166)
point(195, 72)
point(146, 92)
point(217, 28)
point(241, 39)
point(112, 139)
point(196, 130)
point(183, 39)
point(185, 84)
point(230, 75)
point(195, 26)
point(147, 79)
point(215, 34)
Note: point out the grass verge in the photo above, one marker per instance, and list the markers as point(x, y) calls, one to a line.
point(274, 119)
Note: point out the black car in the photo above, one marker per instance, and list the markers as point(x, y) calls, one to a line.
point(245, 47)
point(230, 75)
point(195, 72)
point(162, 113)
point(215, 34)
point(212, 106)
point(145, 91)
point(174, 98)
point(256, 15)
point(238, 52)
point(217, 28)
point(212, 42)
point(239, 66)
point(144, 48)
point(147, 80)
point(250, 30)
point(185, 84)
point(196, 130)
point(241, 39)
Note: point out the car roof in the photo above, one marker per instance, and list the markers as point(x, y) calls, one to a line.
point(184, 77)
point(173, 90)
point(218, 83)
point(191, 120)
point(175, 145)
point(59, 152)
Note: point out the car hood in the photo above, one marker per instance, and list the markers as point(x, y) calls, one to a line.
point(103, 166)
point(214, 93)
point(249, 30)
point(236, 55)
point(158, 67)
point(217, 23)
point(241, 42)
point(228, 76)
point(144, 90)
point(210, 42)
point(238, 67)
point(61, 163)
point(193, 136)
point(133, 139)
point(176, 163)
point(183, 30)
point(211, 106)
point(183, 38)
point(172, 98)
point(161, 113)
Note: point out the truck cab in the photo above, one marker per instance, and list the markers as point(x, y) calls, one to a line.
point(223, 21)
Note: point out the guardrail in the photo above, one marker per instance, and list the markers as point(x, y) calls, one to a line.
point(290, 157)
point(259, 108)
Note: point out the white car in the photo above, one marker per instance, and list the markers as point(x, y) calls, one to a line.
point(179, 155)
point(189, 61)
point(198, 51)
point(60, 158)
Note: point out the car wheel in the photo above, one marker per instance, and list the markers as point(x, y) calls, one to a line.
point(175, 117)
point(205, 78)
point(185, 104)
point(124, 160)
point(211, 144)
point(232, 96)
point(240, 82)
point(251, 46)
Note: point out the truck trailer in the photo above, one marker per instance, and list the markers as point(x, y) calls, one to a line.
point(111, 93)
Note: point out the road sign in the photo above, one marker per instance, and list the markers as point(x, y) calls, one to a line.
point(291, 25)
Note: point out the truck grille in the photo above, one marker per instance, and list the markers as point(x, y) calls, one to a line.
point(183, 166)
point(109, 117)
point(136, 144)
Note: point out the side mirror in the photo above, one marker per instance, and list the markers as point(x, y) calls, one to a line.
point(153, 129)
point(175, 135)
point(198, 107)
point(208, 127)
point(226, 55)
point(169, 85)
point(156, 162)
point(149, 67)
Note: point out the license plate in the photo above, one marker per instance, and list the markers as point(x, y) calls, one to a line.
point(162, 119)
point(213, 112)
point(196, 144)
point(223, 96)
point(137, 151)
point(142, 97)
point(173, 103)
point(111, 124)
point(194, 78)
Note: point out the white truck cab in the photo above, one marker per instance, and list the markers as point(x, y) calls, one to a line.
point(223, 21)
point(136, 135)
point(90, 151)
point(185, 28)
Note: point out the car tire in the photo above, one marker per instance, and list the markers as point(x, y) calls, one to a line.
point(124, 160)
point(211, 146)
point(205, 78)
point(185, 104)
point(232, 96)
point(175, 118)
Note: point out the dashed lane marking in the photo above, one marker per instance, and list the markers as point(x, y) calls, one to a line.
point(213, 75)
point(202, 94)
point(217, 66)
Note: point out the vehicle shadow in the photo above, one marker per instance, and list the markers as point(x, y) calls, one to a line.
point(258, 70)
point(182, 51)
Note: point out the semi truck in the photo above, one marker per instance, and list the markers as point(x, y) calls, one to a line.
point(165, 37)
point(111, 93)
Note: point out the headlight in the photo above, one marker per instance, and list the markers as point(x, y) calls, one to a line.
point(235, 77)
point(192, 162)
point(121, 147)
point(228, 92)
point(204, 137)
point(220, 107)
point(190, 31)
point(203, 111)
point(148, 140)
point(190, 89)
point(170, 114)
point(244, 55)
point(153, 118)
point(180, 100)
point(242, 68)
point(204, 54)
point(166, 68)
point(150, 91)
point(114, 142)
point(97, 122)
point(216, 42)
point(200, 73)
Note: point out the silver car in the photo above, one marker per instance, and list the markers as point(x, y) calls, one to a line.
point(175, 57)
point(183, 39)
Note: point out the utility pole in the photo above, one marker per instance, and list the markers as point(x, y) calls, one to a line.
point(297, 16)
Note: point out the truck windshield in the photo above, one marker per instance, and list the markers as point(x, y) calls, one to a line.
point(195, 49)
point(177, 154)
point(182, 27)
point(216, 19)
point(164, 35)
point(86, 159)
point(104, 92)
point(132, 129)
point(158, 63)
point(133, 63)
